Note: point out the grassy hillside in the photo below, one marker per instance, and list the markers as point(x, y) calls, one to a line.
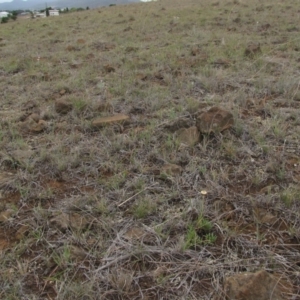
point(139, 209)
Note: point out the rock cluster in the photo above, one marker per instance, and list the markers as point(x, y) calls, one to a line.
point(33, 124)
point(213, 121)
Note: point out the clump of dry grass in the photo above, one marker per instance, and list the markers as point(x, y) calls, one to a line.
point(87, 212)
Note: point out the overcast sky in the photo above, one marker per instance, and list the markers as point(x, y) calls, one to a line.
point(1, 1)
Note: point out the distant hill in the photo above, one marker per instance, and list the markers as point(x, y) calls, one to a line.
point(40, 4)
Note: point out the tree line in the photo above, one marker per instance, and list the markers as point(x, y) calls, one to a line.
point(12, 15)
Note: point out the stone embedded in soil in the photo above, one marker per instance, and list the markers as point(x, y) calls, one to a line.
point(31, 126)
point(104, 106)
point(70, 48)
point(152, 171)
point(62, 92)
point(77, 253)
point(22, 231)
point(221, 62)
point(61, 221)
point(171, 169)
point(134, 233)
point(77, 221)
point(255, 286)
point(268, 218)
point(4, 243)
point(116, 119)
point(73, 220)
point(35, 117)
point(188, 136)
point(62, 106)
point(264, 27)
point(214, 120)
point(5, 215)
point(109, 69)
point(252, 50)
point(179, 124)
point(76, 65)
point(195, 50)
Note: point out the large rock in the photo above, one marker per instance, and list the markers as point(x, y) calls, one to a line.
point(188, 136)
point(214, 120)
point(255, 286)
point(116, 119)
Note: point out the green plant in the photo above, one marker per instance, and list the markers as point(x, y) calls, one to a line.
point(209, 238)
point(46, 193)
point(199, 233)
point(289, 195)
point(192, 104)
point(144, 208)
point(171, 143)
point(37, 234)
point(139, 184)
point(4, 19)
point(14, 15)
point(79, 104)
point(62, 256)
point(116, 181)
point(229, 148)
point(192, 239)
point(257, 178)
point(203, 224)
point(280, 173)
point(202, 170)
point(101, 206)
point(238, 127)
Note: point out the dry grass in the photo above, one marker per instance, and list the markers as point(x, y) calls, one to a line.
point(87, 212)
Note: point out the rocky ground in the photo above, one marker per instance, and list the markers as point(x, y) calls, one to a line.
point(151, 151)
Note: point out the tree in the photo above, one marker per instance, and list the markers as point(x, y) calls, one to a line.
point(14, 15)
point(87, 8)
point(47, 11)
point(4, 19)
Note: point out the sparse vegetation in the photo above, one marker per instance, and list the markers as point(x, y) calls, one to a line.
point(105, 189)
